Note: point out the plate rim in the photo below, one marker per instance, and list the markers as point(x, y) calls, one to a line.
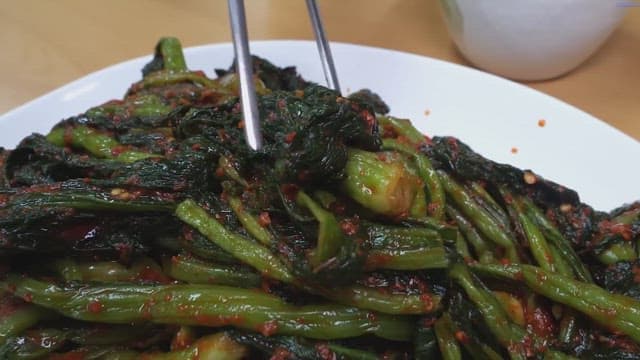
point(440, 62)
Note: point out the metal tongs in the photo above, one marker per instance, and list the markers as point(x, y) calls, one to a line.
point(245, 70)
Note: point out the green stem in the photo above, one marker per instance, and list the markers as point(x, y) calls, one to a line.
point(330, 236)
point(613, 311)
point(410, 259)
point(250, 222)
point(97, 144)
point(554, 237)
point(209, 305)
point(428, 174)
point(195, 271)
point(483, 221)
point(242, 248)
point(383, 301)
point(449, 347)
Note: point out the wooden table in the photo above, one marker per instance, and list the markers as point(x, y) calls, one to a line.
point(45, 44)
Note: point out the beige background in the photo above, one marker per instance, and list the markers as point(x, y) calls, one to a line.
point(46, 43)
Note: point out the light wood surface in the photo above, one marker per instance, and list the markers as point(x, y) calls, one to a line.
point(45, 44)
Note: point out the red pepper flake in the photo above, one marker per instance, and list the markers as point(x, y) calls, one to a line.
point(196, 147)
point(223, 135)
point(199, 73)
point(268, 328)
point(542, 122)
point(350, 226)
point(427, 112)
point(219, 172)
point(168, 297)
point(117, 150)
point(290, 191)
point(541, 321)
point(514, 150)
point(461, 336)
point(281, 353)
point(371, 316)
point(152, 275)
point(388, 131)
point(264, 219)
point(432, 208)
point(324, 352)
point(241, 124)
point(505, 261)
point(636, 273)
point(289, 137)
point(281, 104)
point(28, 297)
point(427, 302)
point(403, 140)
point(95, 307)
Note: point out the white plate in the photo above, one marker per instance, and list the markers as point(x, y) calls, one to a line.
point(491, 114)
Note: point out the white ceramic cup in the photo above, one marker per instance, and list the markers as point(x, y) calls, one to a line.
point(530, 39)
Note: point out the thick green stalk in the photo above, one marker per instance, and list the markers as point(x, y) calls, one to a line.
point(538, 245)
point(209, 305)
point(511, 272)
point(620, 251)
point(250, 222)
point(96, 143)
point(382, 301)
point(480, 246)
point(554, 237)
point(613, 311)
point(164, 78)
point(385, 236)
point(449, 347)
point(403, 128)
point(230, 171)
point(484, 200)
point(483, 221)
point(92, 199)
point(242, 248)
point(195, 271)
point(172, 56)
point(16, 316)
point(330, 236)
point(384, 183)
point(428, 174)
point(508, 334)
point(142, 269)
point(410, 259)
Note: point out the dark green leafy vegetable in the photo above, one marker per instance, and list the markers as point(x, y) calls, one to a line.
point(146, 228)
